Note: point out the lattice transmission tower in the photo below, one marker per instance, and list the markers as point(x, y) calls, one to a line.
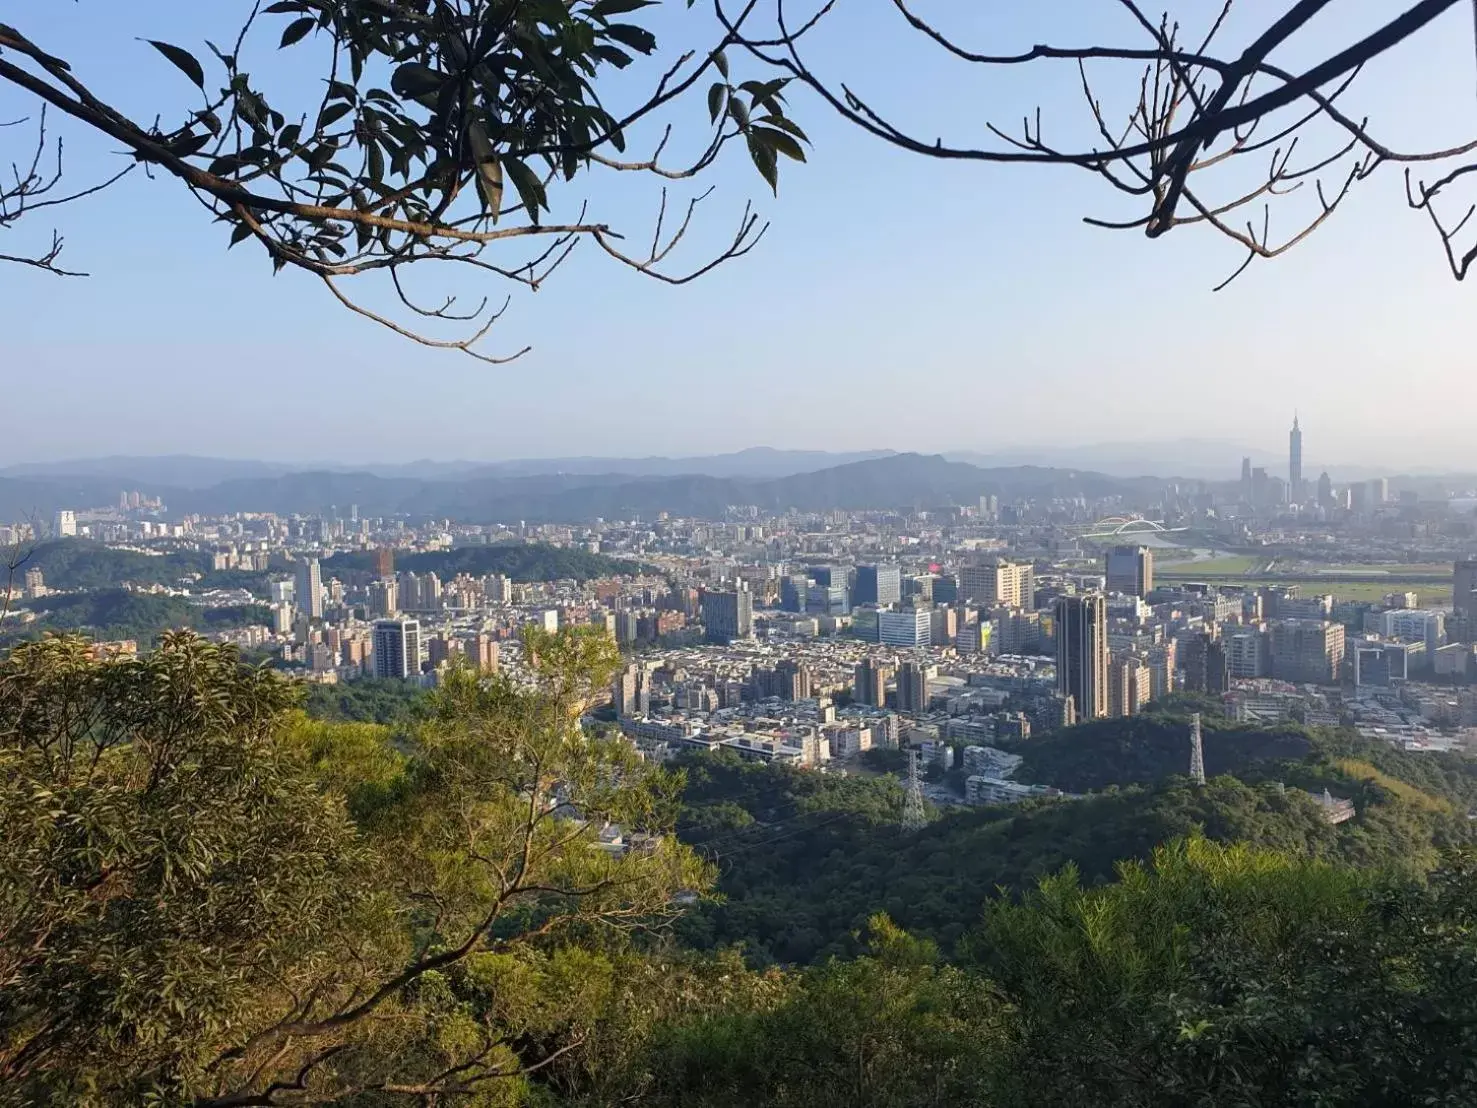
point(914, 816)
point(1197, 752)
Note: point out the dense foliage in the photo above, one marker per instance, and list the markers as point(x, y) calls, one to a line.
point(80, 564)
point(1152, 747)
point(1208, 976)
point(368, 700)
point(120, 614)
point(209, 898)
point(525, 562)
point(206, 899)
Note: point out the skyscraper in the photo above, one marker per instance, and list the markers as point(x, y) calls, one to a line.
point(397, 648)
point(1464, 587)
point(728, 615)
point(1295, 462)
point(1130, 570)
point(999, 582)
point(877, 585)
point(870, 685)
point(308, 592)
point(1082, 653)
point(912, 688)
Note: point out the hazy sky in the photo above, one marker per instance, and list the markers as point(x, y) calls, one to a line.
point(895, 301)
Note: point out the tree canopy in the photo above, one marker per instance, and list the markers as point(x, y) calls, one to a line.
point(210, 899)
point(451, 131)
point(435, 131)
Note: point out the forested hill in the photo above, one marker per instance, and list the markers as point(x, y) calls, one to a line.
point(79, 564)
point(525, 562)
point(1155, 746)
point(806, 858)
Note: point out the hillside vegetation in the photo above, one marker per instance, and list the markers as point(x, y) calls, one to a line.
point(120, 614)
point(214, 900)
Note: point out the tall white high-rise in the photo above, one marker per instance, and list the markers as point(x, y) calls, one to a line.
point(64, 524)
point(308, 591)
point(397, 648)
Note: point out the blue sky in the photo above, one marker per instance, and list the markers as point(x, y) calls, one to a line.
point(895, 301)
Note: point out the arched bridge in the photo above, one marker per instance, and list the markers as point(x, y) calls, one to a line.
point(1117, 526)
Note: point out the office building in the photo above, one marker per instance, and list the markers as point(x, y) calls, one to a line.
point(631, 693)
point(912, 688)
point(1295, 462)
point(1130, 685)
point(482, 651)
point(1307, 651)
point(1217, 669)
point(35, 584)
point(308, 589)
point(826, 600)
point(1130, 570)
point(1082, 653)
point(1415, 624)
point(870, 683)
point(397, 648)
point(1247, 653)
point(64, 524)
point(1464, 588)
point(1325, 491)
point(384, 597)
point(912, 627)
point(997, 582)
point(880, 585)
point(793, 589)
point(945, 589)
point(384, 562)
point(727, 614)
point(826, 575)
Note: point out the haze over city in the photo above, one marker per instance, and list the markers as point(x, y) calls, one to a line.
point(859, 636)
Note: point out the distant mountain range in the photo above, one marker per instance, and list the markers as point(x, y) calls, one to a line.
point(577, 489)
point(184, 471)
point(902, 481)
point(1179, 459)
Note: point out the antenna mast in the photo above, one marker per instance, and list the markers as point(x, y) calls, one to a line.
point(913, 815)
point(1197, 752)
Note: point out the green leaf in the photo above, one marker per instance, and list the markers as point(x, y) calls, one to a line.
point(638, 39)
point(607, 53)
point(784, 124)
point(604, 9)
point(489, 171)
point(766, 162)
point(530, 187)
point(739, 112)
point(716, 96)
point(183, 60)
point(374, 161)
point(190, 144)
point(721, 62)
point(332, 114)
point(780, 141)
point(297, 30)
point(241, 232)
point(415, 79)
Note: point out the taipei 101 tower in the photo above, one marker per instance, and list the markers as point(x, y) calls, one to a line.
point(1295, 462)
